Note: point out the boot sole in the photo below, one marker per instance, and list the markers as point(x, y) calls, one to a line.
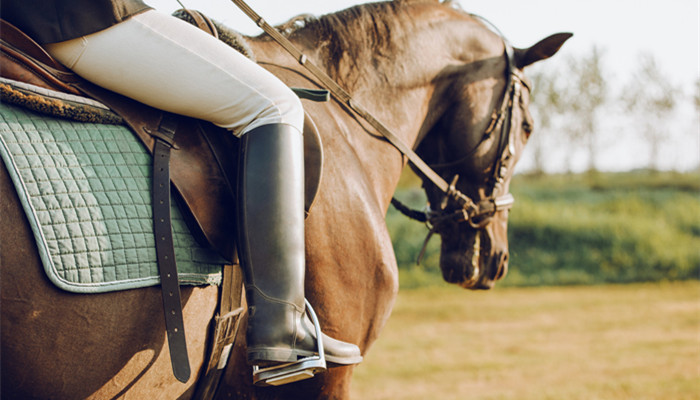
point(262, 356)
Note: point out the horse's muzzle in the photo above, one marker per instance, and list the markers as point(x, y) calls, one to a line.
point(496, 270)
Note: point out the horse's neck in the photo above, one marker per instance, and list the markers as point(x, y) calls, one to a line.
point(395, 59)
point(398, 81)
point(399, 108)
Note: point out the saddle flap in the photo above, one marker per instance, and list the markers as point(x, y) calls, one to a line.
point(203, 156)
point(313, 161)
point(24, 60)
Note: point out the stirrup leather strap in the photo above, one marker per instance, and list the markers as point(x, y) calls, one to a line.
point(165, 251)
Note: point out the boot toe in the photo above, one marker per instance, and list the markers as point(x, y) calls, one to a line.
point(339, 352)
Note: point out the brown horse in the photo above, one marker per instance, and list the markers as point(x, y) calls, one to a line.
point(433, 74)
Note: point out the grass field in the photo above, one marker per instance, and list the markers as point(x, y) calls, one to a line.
point(579, 230)
point(637, 341)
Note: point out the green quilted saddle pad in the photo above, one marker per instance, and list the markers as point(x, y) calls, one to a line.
point(86, 192)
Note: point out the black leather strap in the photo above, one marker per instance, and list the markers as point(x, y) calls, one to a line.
point(165, 251)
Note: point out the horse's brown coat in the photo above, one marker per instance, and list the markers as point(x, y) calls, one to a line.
point(430, 72)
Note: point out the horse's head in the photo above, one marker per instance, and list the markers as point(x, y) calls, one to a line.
point(475, 143)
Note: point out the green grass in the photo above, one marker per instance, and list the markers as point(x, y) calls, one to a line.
point(637, 341)
point(582, 229)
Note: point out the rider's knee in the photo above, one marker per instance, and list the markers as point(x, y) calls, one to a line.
point(283, 107)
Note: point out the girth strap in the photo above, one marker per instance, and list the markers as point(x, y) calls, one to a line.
point(165, 251)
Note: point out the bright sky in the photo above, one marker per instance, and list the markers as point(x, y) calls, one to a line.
point(623, 29)
point(669, 29)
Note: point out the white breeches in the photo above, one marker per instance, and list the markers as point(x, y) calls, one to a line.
point(169, 64)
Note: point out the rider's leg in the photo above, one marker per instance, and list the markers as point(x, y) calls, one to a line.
point(271, 214)
point(171, 65)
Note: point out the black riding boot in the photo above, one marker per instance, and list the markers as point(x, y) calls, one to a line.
point(271, 246)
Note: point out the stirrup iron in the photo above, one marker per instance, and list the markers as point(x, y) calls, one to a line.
point(302, 369)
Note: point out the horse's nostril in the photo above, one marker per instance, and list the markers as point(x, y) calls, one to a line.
point(499, 266)
point(502, 266)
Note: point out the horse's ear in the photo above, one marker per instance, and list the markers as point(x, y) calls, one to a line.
point(544, 49)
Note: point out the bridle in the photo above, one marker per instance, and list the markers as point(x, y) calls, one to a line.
point(479, 214)
point(476, 214)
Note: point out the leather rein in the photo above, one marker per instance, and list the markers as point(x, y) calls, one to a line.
point(477, 214)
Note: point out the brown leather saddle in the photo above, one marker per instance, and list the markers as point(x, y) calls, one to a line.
point(203, 155)
point(197, 158)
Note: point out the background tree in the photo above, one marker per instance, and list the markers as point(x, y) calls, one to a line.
point(547, 105)
point(584, 95)
point(651, 100)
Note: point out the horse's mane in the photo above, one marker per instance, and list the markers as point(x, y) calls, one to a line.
point(356, 34)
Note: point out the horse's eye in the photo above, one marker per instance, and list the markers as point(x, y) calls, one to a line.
point(528, 126)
